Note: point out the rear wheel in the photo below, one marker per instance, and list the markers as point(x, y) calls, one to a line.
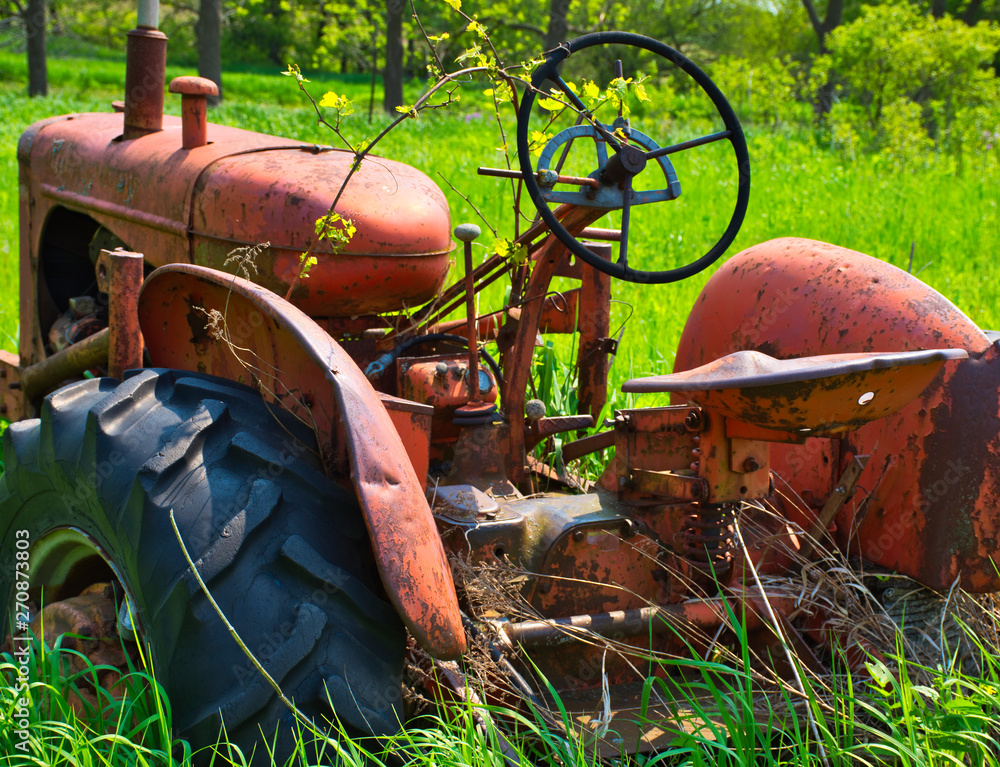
point(282, 548)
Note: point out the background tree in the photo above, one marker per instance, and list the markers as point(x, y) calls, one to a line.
point(558, 29)
point(208, 30)
point(26, 23)
point(34, 27)
point(823, 27)
point(392, 75)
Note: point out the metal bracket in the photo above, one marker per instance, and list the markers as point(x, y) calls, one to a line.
point(841, 492)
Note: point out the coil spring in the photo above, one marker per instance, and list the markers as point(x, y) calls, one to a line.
point(708, 537)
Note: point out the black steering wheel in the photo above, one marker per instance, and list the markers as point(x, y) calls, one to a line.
point(609, 187)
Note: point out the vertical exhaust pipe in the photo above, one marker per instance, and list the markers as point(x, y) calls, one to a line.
point(145, 73)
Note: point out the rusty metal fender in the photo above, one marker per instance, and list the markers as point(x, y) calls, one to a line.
point(932, 485)
point(195, 318)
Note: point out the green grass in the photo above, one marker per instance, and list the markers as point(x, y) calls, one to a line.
point(800, 187)
point(899, 713)
point(48, 713)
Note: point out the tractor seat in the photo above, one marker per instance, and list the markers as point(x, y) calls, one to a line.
point(823, 395)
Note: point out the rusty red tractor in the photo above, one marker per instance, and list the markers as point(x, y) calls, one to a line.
point(324, 456)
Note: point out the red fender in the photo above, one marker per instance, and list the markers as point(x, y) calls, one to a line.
point(267, 343)
point(933, 483)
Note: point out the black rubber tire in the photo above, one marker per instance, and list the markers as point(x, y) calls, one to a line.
point(282, 548)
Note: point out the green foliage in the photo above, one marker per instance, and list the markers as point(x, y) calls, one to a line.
point(336, 230)
point(911, 82)
point(44, 720)
point(759, 93)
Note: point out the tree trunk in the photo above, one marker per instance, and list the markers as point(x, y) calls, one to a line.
point(833, 19)
point(822, 28)
point(34, 27)
point(208, 31)
point(971, 15)
point(392, 77)
point(558, 30)
point(938, 8)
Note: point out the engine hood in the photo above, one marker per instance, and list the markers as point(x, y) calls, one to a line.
point(243, 189)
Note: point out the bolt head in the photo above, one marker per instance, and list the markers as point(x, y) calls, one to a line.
point(467, 232)
point(693, 420)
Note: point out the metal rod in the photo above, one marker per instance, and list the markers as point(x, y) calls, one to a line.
point(664, 151)
point(593, 183)
point(658, 620)
point(69, 363)
point(145, 76)
point(121, 273)
point(467, 233)
point(149, 14)
point(603, 235)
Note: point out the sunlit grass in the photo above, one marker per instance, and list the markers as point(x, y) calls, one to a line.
point(799, 188)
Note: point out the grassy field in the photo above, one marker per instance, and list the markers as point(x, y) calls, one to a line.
point(801, 187)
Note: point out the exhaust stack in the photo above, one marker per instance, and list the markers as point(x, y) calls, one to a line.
point(145, 73)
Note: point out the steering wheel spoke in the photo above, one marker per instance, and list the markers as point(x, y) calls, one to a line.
point(602, 152)
point(695, 142)
point(626, 214)
point(632, 153)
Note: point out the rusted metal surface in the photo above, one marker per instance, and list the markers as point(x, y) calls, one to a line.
point(442, 382)
point(841, 493)
point(708, 538)
point(13, 404)
point(569, 649)
point(242, 189)
point(689, 454)
point(560, 424)
point(795, 297)
point(69, 363)
point(119, 274)
point(90, 622)
point(467, 233)
point(478, 455)
point(585, 445)
point(266, 342)
point(822, 395)
point(748, 479)
point(595, 348)
point(412, 421)
point(655, 439)
point(194, 108)
point(517, 363)
point(933, 481)
point(672, 488)
point(145, 68)
point(667, 619)
point(596, 566)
